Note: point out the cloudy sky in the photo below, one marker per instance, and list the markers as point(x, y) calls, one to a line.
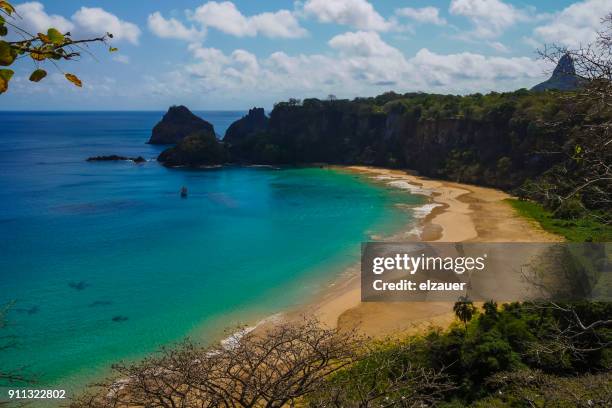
point(241, 53)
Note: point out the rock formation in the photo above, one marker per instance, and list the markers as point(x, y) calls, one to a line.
point(563, 77)
point(196, 150)
point(177, 124)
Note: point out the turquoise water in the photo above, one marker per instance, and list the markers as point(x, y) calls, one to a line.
point(106, 262)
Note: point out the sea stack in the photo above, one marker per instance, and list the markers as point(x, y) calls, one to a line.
point(177, 124)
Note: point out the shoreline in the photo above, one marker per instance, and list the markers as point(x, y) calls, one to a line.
point(459, 213)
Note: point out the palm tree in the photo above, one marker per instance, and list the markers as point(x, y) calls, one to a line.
point(464, 310)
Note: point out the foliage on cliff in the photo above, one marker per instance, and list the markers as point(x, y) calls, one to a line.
point(496, 139)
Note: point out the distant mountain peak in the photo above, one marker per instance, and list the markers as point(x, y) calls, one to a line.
point(563, 77)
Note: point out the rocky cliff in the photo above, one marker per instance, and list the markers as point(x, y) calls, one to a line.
point(177, 124)
point(485, 139)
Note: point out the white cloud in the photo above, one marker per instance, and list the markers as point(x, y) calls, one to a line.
point(489, 17)
point(497, 46)
point(225, 17)
point(429, 15)
point(86, 21)
point(359, 14)
point(359, 63)
point(363, 44)
point(474, 71)
point(172, 28)
point(36, 20)
point(576, 24)
point(96, 21)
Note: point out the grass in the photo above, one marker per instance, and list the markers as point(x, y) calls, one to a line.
point(585, 229)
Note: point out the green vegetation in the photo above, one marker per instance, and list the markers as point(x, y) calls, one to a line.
point(585, 228)
point(517, 355)
point(513, 356)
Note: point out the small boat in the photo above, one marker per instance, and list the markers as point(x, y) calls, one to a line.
point(184, 192)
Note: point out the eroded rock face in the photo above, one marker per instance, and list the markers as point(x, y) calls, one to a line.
point(177, 124)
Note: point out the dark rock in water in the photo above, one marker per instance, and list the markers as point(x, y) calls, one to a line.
point(114, 157)
point(254, 122)
point(563, 78)
point(177, 124)
point(119, 319)
point(196, 150)
point(80, 285)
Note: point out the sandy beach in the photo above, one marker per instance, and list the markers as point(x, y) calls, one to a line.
point(461, 213)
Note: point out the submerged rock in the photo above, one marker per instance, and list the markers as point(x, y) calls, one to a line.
point(196, 150)
point(114, 157)
point(177, 124)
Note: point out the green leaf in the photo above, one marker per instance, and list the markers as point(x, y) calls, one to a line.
point(38, 75)
point(5, 77)
point(7, 54)
point(55, 36)
point(113, 49)
point(3, 30)
point(74, 79)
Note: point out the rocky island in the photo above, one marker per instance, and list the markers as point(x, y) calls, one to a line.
point(177, 124)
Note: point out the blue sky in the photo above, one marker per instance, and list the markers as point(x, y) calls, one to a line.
point(238, 54)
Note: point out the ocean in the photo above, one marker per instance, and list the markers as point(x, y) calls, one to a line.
point(103, 261)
